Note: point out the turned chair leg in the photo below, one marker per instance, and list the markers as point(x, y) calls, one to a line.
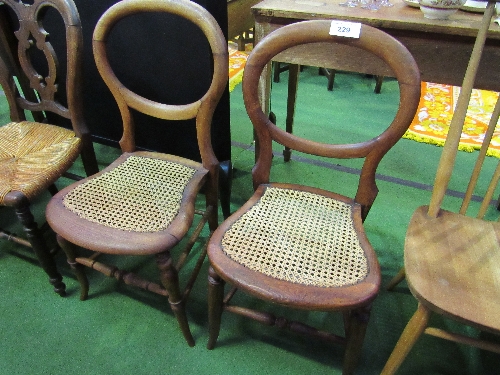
point(70, 251)
point(356, 323)
point(170, 280)
point(409, 337)
point(215, 306)
point(39, 246)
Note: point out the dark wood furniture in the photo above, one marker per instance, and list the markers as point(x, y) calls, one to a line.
point(239, 17)
point(34, 154)
point(300, 246)
point(451, 259)
point(144, 202)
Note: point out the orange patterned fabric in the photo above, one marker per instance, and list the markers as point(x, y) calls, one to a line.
point(435, 111)
point(237, 61)
point(33, 156)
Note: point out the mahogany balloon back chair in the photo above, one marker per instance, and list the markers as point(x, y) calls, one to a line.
point(34, 154)
point(451, 259)
point(144, 202)
point(301, 246)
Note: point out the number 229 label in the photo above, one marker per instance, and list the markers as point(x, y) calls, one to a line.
point(345, 29)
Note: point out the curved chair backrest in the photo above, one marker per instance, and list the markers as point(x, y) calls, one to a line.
point(201, 109)
point(380, 44)
point(32, 35)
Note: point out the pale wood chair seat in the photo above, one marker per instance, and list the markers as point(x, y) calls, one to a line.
point(135, 204)
point(452, 264)
point(33, 156)
point(299, 238)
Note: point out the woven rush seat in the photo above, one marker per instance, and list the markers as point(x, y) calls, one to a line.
point(299, 237)
point(33, 155)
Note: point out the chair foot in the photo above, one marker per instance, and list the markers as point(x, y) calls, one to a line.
point(170, 280)
point(356, 324)
point(70, 251)
point(287, 154)
point(59, 286)
point(409, 337)
point(38, 244)
point(215, 306)
point(179, 310)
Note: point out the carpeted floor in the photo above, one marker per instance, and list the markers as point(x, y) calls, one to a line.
point(120, 330)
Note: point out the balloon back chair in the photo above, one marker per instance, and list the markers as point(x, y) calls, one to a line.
point(451, 259)
point(144, 202)
point(301, 246)
point(34, 154)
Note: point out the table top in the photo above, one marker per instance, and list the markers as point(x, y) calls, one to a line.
point(400, 16)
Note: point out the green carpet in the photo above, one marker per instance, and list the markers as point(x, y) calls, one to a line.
point(120, 330)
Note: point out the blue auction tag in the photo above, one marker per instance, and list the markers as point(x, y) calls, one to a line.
point(345, 29)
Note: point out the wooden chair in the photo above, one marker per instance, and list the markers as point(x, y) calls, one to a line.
point(144, 202)
point(301, 246)
point(451, 259)
point(34, 154)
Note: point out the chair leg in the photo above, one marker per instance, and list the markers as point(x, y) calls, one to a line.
point(356, 324)
point(215, 306)
point(378, 84)
point(277, 71)
point(293, 79)
point(409, 337)
point(39, 246)
point(88, 156)
point(396, 279)
point(225, 186)
point(170, 280)
point(70, 251)
point(330, 74)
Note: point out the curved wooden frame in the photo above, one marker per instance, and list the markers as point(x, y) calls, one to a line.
point(74, 230)
point(352, 300)
point(46, 87)
point(372, 40)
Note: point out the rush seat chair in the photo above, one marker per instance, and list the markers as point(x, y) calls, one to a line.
point(34, 154)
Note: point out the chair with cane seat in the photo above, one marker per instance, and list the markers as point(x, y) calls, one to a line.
point(144, 202)
point(451, 260)
point(34, 154)
point(304, 247)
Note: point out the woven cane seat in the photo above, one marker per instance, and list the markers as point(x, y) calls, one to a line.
point(299, 237)
point(142, 194)
point(34, 155)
